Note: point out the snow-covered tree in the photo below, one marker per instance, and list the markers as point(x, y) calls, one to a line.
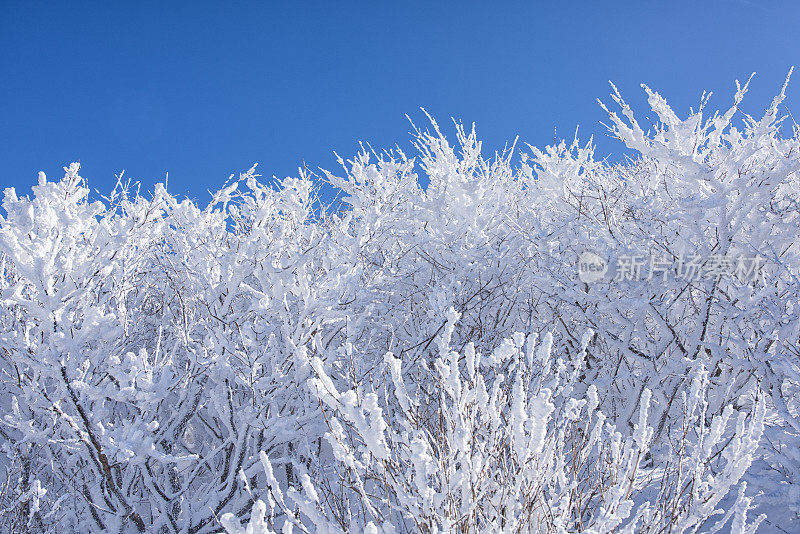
point(496, 444)
point(268, 357)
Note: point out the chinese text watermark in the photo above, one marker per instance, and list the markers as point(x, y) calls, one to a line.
point(635, 267)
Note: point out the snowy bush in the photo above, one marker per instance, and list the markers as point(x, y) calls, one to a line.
point(512, 454)
point(172, 367)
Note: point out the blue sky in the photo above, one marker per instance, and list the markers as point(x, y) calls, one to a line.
point(202, 90)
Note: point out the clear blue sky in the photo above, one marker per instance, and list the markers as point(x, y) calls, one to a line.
point(202, 90)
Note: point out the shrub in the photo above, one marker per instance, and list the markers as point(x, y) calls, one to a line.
point(151, 349)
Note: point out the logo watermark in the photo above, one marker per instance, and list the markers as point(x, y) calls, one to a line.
point(591, 267)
